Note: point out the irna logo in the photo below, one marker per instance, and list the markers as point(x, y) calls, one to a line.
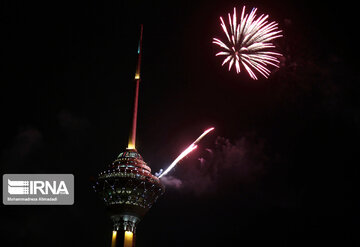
point(37, 187)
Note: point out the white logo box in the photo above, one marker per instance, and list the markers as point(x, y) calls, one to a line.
point(38, 189)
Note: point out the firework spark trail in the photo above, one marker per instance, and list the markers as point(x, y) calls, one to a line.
point(188, 150)
point(248, 42)
point(180, 157)
point(202, 135)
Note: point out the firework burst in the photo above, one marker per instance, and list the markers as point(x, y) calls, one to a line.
point(248, 43)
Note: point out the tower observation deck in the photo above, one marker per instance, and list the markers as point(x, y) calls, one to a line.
point(127, 186)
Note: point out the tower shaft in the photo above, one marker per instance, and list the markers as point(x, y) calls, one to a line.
point(122, 238)
point(132, 138)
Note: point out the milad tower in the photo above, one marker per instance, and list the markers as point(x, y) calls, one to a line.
point(127, 186)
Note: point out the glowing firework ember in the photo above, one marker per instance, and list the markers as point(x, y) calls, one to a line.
point(185, 152)
point(248, 43)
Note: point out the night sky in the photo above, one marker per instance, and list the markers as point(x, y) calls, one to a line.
point(279, 170)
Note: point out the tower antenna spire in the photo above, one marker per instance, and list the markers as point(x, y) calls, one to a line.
point(132, 138)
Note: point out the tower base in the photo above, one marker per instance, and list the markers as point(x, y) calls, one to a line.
point(124, 230)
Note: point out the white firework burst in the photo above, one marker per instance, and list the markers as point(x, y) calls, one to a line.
point(248, 43)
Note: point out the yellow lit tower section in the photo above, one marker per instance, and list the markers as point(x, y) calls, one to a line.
point(127, 186)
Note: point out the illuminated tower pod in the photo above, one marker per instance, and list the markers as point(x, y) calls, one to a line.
point(127, 186)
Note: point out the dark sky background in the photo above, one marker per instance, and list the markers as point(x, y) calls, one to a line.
point(280, 169)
